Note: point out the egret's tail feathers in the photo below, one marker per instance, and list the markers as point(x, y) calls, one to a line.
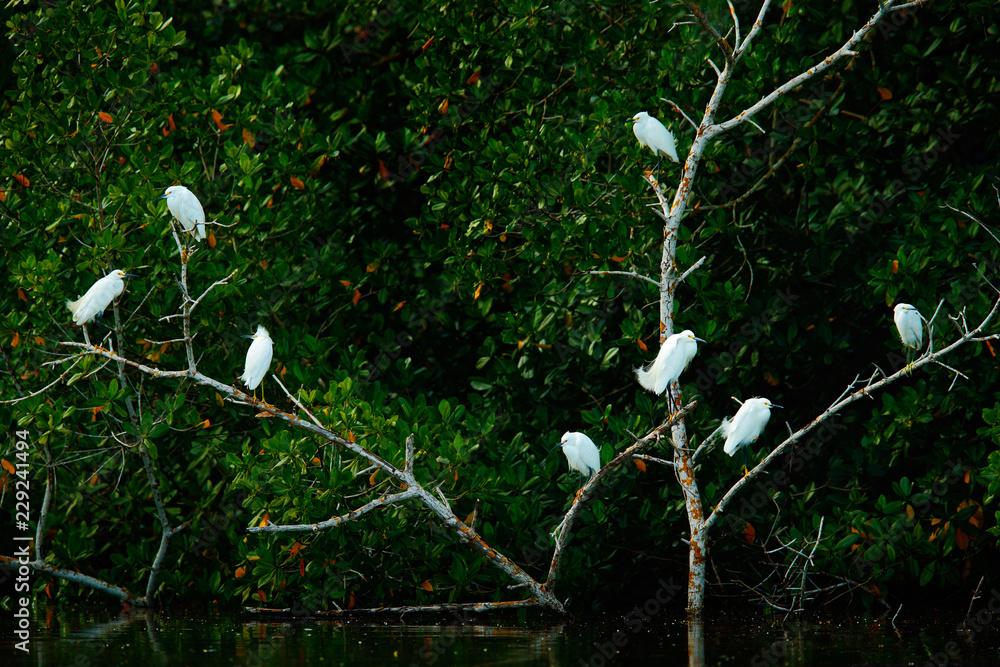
point(730, 447)
point(200, 235)
point(652, 377)
point(645, 377)
point(73, 306)
point(671, 151)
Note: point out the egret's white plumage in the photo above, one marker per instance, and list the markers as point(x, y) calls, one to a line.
point(184, 206)
point(747, 425)
point(674, 356)
point(98, 297)
point(653, 135)
point(581, 453)
point(258, 358)
point(910, 324)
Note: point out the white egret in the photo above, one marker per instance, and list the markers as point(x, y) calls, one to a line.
point(258, 360)
point(653, 135)
point(674, 356)
point(581, 453)
point(186, 208)
point(909, 322)
point(98, 297)
point(747, 425)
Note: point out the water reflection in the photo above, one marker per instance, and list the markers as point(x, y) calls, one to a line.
point(85, 637)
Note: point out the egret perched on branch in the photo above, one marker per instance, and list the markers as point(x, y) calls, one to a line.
point(581, 453)
point(258, 359)
point(186, 208)
point(747, 425)
point(674, 356)
point(653, 135)
point(909, 322)
point(98, 297)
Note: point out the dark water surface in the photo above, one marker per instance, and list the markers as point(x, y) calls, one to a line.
point(85, 637)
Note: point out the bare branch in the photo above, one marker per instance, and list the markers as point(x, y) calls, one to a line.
point(691, 269)
point(414, 609)
point(630, 274)
point(653, 459)
point(736, 23)
point(845, 51)
point(296, 401)
point(757, 25)
point(46, 387)
point(720, 41)
point(681, 112)
point(334, 522)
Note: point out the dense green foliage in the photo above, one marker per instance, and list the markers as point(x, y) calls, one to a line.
point(412, 194)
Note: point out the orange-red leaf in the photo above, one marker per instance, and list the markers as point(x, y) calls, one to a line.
point(211, 240)
point(345, 283)
point(443, 107)
point(479, 288)
point(642, 346)
point(371, 480)
point(961, 539)
point(204, 424)
point(297, 183)
point(105, 117)
point(16, 340)
point(885, 93)
point(472, 79)
point(3, 195)
point(351, 601)
point(398, 306)
point(266, 521)
point(23, 180)
point(383, 172)
point(217, 117)
point(749, 533)
point(240, 572)
point(171, 126)
point(356, 298)
point(262, 595)
point(989, 346)
point(302, 567)
point(427, 586)
point(895, 266)
point(619, 259)
point(427, 43)
point(640, 464)
point(771, 380)
point(373, 267)
point(8, 466)
point(248, 138)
